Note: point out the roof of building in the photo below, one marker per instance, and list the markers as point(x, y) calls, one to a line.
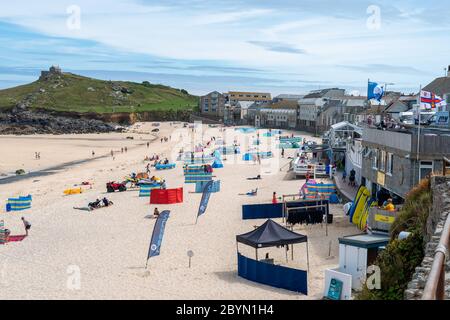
point(343, 124)
point(289, 96)
point(254, 93)
point(396, 106)
point(439, 86)
point(321, 93)
point(285, 104)
point(245, 104)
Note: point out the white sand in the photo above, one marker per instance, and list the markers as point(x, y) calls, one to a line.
point(109, 246)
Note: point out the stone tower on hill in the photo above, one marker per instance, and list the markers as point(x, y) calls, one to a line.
point(54, 70)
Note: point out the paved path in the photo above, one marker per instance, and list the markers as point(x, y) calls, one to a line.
point(343, 187)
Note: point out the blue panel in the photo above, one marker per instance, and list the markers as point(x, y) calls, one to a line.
point(200, 185)
point(262, 211)
point(273, 275)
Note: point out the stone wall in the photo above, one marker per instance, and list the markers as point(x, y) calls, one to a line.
point(435, 224)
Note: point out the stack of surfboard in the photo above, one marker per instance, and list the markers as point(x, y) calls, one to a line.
point(359, 211)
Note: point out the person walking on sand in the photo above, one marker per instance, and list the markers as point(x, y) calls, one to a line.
point(27, 225)
point(148, 145)
point(282, 152)
point(126, 149)
point(93, 153)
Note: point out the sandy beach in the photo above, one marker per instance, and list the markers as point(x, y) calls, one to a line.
point(108, 247)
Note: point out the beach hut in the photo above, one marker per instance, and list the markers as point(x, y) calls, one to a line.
point(271, 234)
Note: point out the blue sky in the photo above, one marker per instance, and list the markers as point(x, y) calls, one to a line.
point(284, 46)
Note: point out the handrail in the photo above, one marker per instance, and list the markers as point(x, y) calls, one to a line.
point(446, 166)
point(435, 285)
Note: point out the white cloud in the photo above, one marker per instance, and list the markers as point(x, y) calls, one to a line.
point(226, 33)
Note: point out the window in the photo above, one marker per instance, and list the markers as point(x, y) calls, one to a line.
point(382, 161)
point(390, 163)
point(375, 160)
point(425, 168)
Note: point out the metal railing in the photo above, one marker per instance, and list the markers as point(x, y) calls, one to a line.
point(435, 285)
point(446, 167)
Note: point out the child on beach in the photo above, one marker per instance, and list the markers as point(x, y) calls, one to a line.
point(27, 225)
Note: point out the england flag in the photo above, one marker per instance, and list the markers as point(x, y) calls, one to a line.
point(430, 101)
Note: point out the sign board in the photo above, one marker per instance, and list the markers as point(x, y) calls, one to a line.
point(381, 178)
point(335, 289)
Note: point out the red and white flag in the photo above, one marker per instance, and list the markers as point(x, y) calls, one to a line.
point(429, 100)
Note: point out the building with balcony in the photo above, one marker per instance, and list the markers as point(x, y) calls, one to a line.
point(236, 96)
point(213, 104)
point(396, 160)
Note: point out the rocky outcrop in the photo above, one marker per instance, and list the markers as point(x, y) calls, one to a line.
point(435, 225)
point(22, 121)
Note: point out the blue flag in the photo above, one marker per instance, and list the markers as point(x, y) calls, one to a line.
point(375, 91)
point(205, 198)
point(158, 233)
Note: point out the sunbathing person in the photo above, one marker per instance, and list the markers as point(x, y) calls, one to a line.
point(258, 177)
point(107, 202)
point(95, 205)
point(251, 193)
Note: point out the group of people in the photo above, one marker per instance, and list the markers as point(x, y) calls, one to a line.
point(351, 178)
point(37, 155)
point(100, 203)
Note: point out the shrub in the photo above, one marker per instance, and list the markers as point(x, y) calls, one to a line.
point(400, 258)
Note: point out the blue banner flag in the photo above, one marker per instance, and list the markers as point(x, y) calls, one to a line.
point(205, 198)
point(375, 91)
point(158, 233)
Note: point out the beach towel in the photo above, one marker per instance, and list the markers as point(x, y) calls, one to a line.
point(18, 204)
point(73, 191)
point(17, 238)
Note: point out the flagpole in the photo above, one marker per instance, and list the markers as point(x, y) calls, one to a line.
point(418, 130)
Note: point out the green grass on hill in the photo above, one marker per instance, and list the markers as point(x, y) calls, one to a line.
point(75, 93)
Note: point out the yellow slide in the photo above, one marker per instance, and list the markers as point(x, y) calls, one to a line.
point(361, 206)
